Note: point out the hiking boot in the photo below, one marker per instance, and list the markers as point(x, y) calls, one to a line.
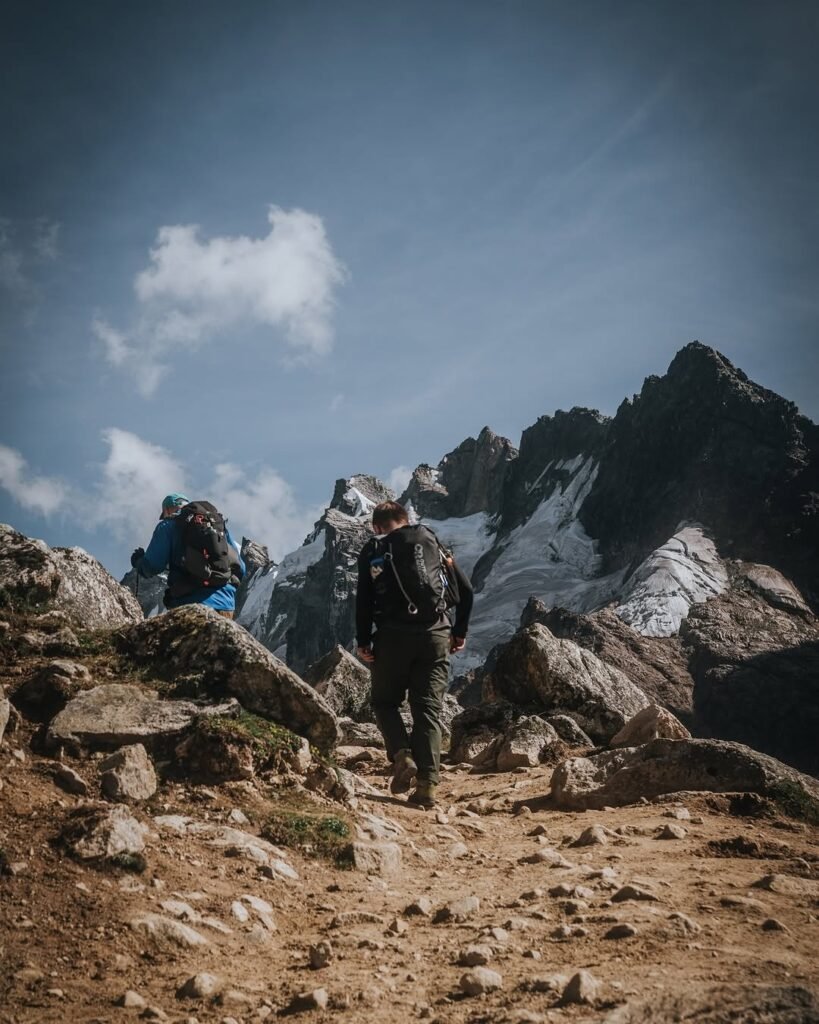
point(404, 770)
point(424, 795)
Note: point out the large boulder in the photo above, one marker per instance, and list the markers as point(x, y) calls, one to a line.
point(344, 682)
point(119, 714)
point(652, 723)
point(624, 776)
point(537, 670)
point(76, 583)
point(195, 641)
point(501, 736)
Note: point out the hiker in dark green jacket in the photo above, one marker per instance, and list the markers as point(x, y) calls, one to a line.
point(419, 601)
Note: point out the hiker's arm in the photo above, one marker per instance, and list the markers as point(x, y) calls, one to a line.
point(364, 602)
point(158, 555)
point(463, 609)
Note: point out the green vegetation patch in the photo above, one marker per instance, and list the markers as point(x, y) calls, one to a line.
point(314, 833)
point(268, 740)
point(792, 800)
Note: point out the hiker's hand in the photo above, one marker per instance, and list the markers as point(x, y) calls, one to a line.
point(366, 654)
point(137, 556)
point(457, 643)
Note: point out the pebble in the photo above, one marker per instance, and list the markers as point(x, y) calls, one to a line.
point(680, 813)
point(570, 931)
point(238, 817)
point(421, 907)
point(633, 892)
point(480, 980)
point(621, 931)
point(687, 923)
point(533, 954)
point(475, 956)
point(458, 850)
point(200, 986)
point(583, 987)
point(153, 1013)
point(397, 926)
point(133, 1000)
point(320, 955)
point(594, 835)
point(771, 924)
point(498, 934)
point(458, 911)
point(315, 1000)
point(672, 832)
point(71, 781)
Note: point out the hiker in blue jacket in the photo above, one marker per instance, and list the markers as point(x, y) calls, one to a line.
point(167, 550)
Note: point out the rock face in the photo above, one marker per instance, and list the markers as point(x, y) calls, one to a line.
point(556, 676)
point(69, 578)
point(303, 607)
point(196, 642)
point(668, 766)
point(119, 714)
point(344, 682)
point(754, 657)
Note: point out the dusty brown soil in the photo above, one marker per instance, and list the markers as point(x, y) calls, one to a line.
point(67, 952)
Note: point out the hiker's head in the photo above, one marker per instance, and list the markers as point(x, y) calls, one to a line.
point(171, 504)
point(388, 516)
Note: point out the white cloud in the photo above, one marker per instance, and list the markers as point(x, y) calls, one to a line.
point(263, 508)
point(135, 478)
point(41, 494)
point(398, 479)
point(195, 289)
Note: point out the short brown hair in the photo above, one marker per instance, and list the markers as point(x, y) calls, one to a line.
point(389, 512)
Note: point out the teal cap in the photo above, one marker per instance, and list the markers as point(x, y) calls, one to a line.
point(174, 501)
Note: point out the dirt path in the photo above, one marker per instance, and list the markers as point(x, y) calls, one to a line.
point(68, 951)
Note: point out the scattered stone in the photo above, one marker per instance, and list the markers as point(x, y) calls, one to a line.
point(680, 813)
point(458, 911)
point(131, 999)
point(201, 986)
point(771, 924)
point(238, 817)
point(547, 855)
point(353, 917)
point(320, 955)
point(315, 1000)
point(788, 885)
point(742, 903)
point(649, 724)
point(685, 923)
point(475, 956)
point(583, 987)
point(594, 835)
point(381, 859)
point(128, 774)
point(167, 928)
point(621, 931)
point(480, 980)
point(240, 912)
point(421, 907)
point(672, 832)
point(104, 834)
point(458, 850)
point(153, 1013)
point(569, 931)
point(633, 892)
point(71, 781)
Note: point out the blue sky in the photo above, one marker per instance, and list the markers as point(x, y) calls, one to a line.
point(246, 249)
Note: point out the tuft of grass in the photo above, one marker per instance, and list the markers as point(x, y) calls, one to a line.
point(792, 800)
point(267, 740)
point(313, 833)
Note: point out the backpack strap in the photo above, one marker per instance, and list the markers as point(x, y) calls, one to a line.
point(411, 608)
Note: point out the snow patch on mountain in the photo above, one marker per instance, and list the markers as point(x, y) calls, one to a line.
point(686, 570)
point(549, 556)
point(468, 537)
point(289, 572)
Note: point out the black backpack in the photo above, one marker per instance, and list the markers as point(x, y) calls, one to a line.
point(208, 558)
point(412, 576)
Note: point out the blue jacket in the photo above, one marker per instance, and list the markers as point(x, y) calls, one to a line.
point(166, 550)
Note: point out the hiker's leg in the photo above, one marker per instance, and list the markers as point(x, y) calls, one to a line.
point(389, 674)
point(429, 677)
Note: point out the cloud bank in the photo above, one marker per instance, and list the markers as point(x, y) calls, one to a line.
point(195, 289)
point(41, 494)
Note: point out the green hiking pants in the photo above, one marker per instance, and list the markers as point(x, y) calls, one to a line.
point(414, 663)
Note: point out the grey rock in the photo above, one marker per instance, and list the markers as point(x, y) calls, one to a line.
point(344, 682)
point(649, 724)
point(317, 999)
point(168, 929)
point(71, 781)
point(771, 924)
point(352, 917)
point(128, 774)
point(625, 776)
point(103, 833)
point(195, 640)
point(50, 689)
point(536, 668)
point(377, 858)
point(524, 743)
point(583, 987)
point(569, 731)
point(633, 892)
point(480, 980)
point(360, 734)
point(621, 931)
point(320, 955)
point(132, 1000)
point(594, 835)
point(118, 714)
point(458, 911)
point(201, 986)
point(684, 923)
point(421, 907)
point(475, 956)
point(672, 832)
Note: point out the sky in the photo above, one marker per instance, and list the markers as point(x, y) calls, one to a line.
point(249, 248)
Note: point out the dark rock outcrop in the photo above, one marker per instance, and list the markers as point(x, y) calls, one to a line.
point(196, 642)
point(624, 776)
